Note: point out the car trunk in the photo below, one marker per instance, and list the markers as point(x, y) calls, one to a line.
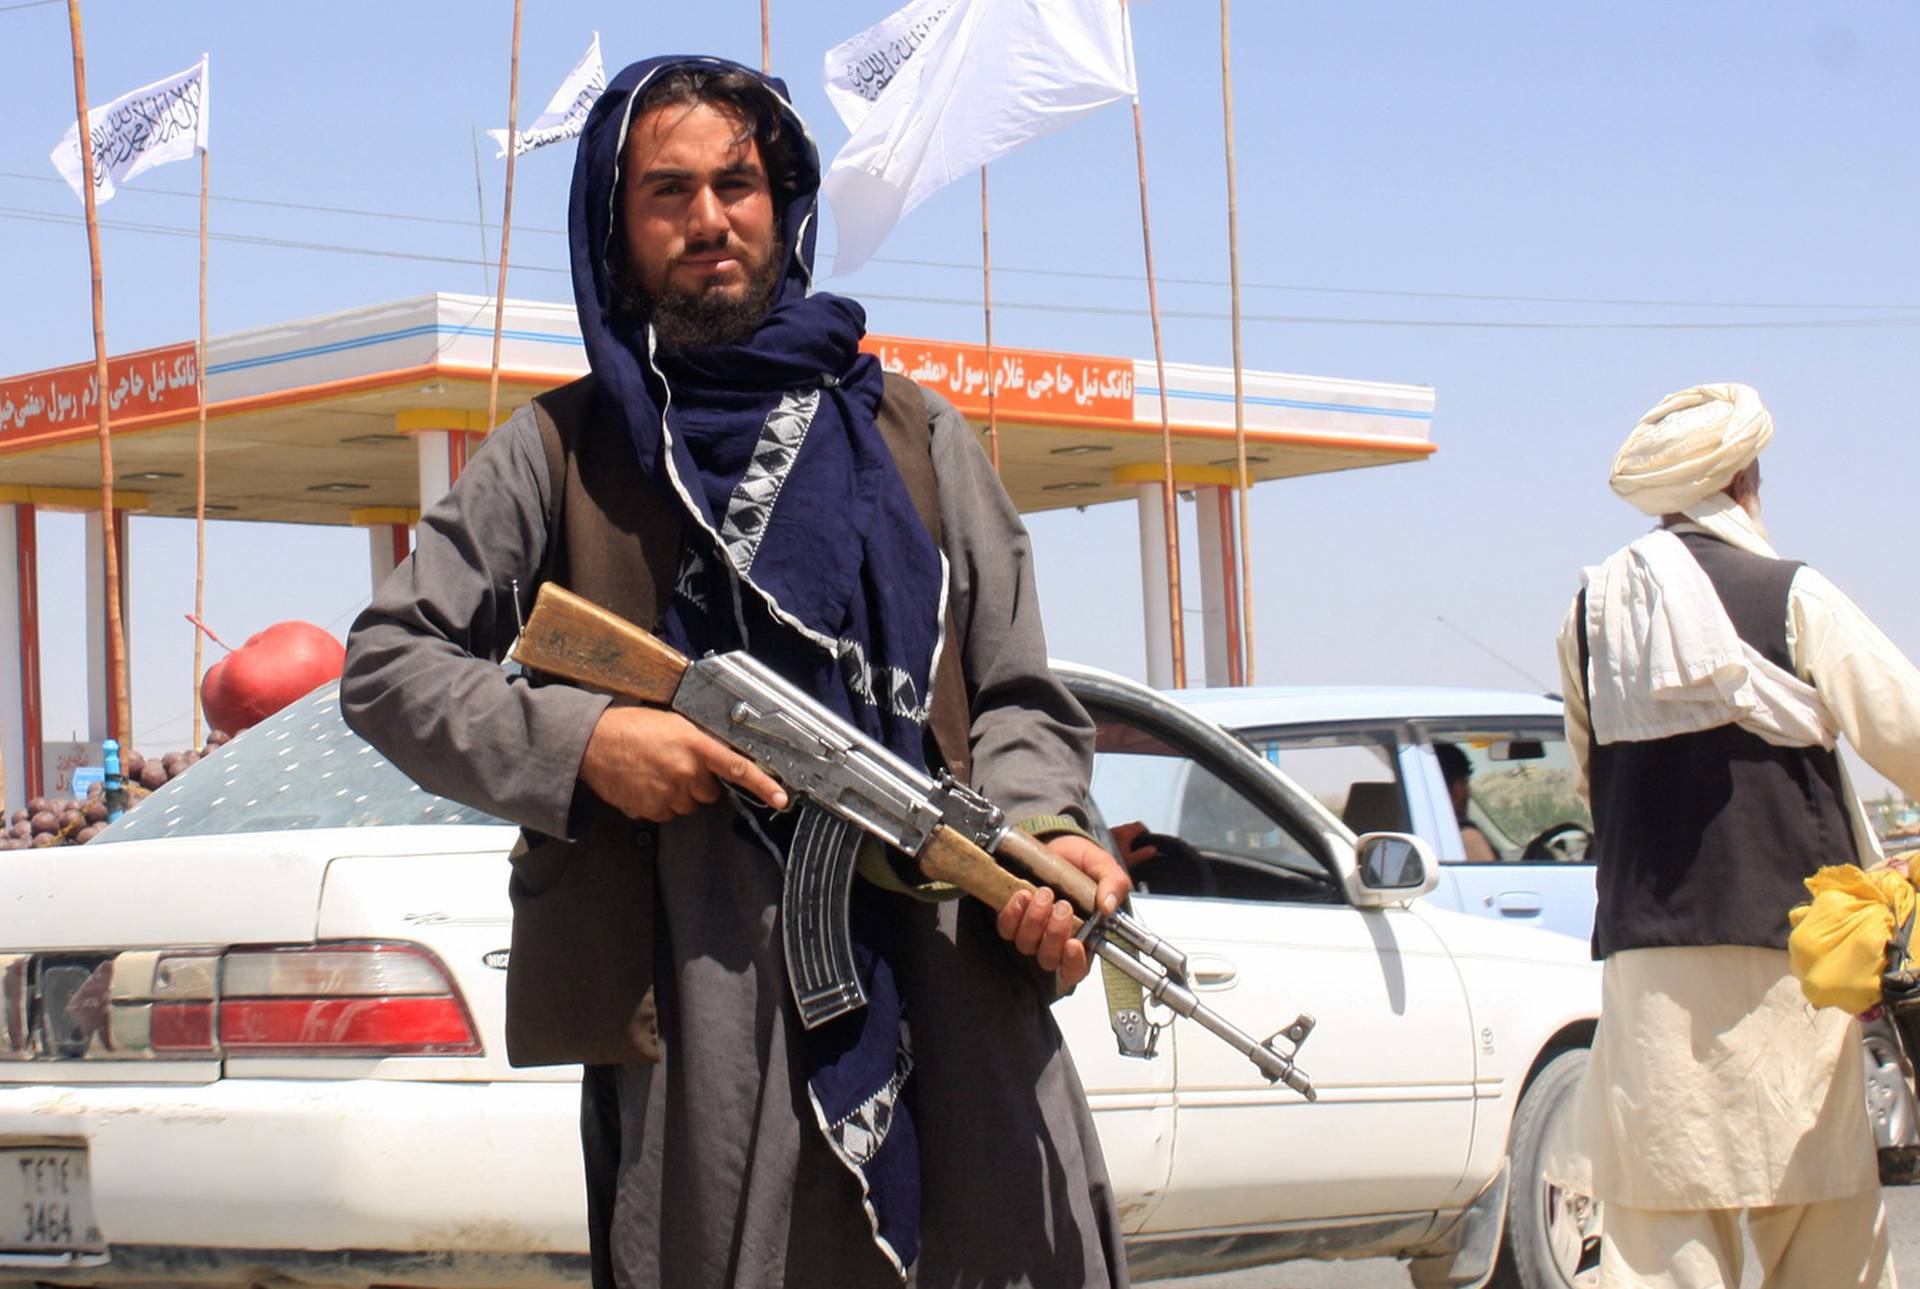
point(372, 952)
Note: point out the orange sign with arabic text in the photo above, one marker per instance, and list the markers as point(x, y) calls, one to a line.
point(66, 398)
point(1057, 386)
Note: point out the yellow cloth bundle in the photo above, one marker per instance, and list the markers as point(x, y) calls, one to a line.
point(1839, 942)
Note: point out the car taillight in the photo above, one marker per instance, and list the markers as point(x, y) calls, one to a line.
point(339, 1000)
point(16, 1042)
point(184, 988)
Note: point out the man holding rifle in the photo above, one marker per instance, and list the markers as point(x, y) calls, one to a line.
point(734, 475)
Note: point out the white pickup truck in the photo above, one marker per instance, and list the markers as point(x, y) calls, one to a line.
point(253, 1033)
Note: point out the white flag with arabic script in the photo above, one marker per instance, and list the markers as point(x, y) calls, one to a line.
point(157, 123)
point(858, 70)
point(566, 113)
point(943, 87)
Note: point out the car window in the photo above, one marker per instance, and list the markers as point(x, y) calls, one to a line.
point(300, 769)
point(1207, 837)
point(1522, 793)
point(1352, 771)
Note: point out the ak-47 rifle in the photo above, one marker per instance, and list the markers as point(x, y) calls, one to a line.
point(847, 784)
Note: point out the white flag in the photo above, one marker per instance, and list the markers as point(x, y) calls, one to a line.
point(157, 123)
point(965, 83)
point(859, 69)
point(566, 113)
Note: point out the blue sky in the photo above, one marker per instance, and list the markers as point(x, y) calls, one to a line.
point(1700, 192)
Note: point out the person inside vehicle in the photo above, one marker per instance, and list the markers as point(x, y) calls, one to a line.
point(1138, 846)
point(1457, 770)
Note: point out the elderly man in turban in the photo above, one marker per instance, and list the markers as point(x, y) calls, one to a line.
point(1707, 680)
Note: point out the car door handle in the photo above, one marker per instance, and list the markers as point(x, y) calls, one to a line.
point(1212, 973)
point(1516, 904)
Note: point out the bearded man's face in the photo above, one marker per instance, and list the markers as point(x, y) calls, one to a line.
point(703, 252)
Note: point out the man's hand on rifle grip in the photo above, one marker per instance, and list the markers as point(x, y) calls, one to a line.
point(1042, 927)
point(653, 764)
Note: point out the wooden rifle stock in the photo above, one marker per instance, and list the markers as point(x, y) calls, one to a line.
point(951, 857)
point(573, 638)
point(1032, 855)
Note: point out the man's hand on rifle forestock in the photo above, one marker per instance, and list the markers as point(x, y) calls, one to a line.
point(1041, 926)
point(650, 763)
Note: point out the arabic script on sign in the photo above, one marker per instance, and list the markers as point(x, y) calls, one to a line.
point(1024, 380)
point(62, 398)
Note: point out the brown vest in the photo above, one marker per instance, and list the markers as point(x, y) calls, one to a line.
point(580, 974)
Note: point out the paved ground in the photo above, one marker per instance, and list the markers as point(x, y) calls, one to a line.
point(1903, 1217)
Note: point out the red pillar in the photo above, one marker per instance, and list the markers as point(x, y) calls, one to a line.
point(1230, 577)
point(460, 446)
point(27, 555)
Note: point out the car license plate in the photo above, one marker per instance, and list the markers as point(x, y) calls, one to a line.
point(46, 1201)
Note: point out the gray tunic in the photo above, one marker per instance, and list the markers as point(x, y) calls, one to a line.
point(724, 1176)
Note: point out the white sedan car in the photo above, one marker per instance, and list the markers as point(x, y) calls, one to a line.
point(254, 1032)
point(1373, 755)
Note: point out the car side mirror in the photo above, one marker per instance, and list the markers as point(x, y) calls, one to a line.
point(1392, 867)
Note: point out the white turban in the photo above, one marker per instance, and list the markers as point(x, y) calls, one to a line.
point(1690, 447)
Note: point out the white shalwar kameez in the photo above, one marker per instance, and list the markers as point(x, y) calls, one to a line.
point(1714, 1086)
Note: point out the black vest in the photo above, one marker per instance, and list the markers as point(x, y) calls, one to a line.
point(582, 961)
point(1706, 838)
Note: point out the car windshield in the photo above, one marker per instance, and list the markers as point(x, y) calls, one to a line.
point(299, 769)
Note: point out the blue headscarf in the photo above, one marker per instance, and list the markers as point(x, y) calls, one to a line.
point(803, 547)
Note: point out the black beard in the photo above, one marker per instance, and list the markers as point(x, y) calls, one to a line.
point(689, 320)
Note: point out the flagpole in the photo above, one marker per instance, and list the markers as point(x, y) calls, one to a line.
point(116, 642)
point(766, 40)
point(480, 204)
point(1241, 480)
point(200, 461)
point(986, 297)
point(1169, 509)
point(506, 220)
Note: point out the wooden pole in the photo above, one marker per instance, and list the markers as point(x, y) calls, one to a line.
point(200, 460)
point(506, 220)
point(1168, 499)
point(120, 721)
point(480, 204)
point(986, 297)
point(1243, 484)
point(766, 40)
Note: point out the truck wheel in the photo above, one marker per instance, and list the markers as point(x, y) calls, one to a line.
point(1553, 1235)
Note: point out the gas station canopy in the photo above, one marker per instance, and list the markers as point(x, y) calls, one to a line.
point(311, 421)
